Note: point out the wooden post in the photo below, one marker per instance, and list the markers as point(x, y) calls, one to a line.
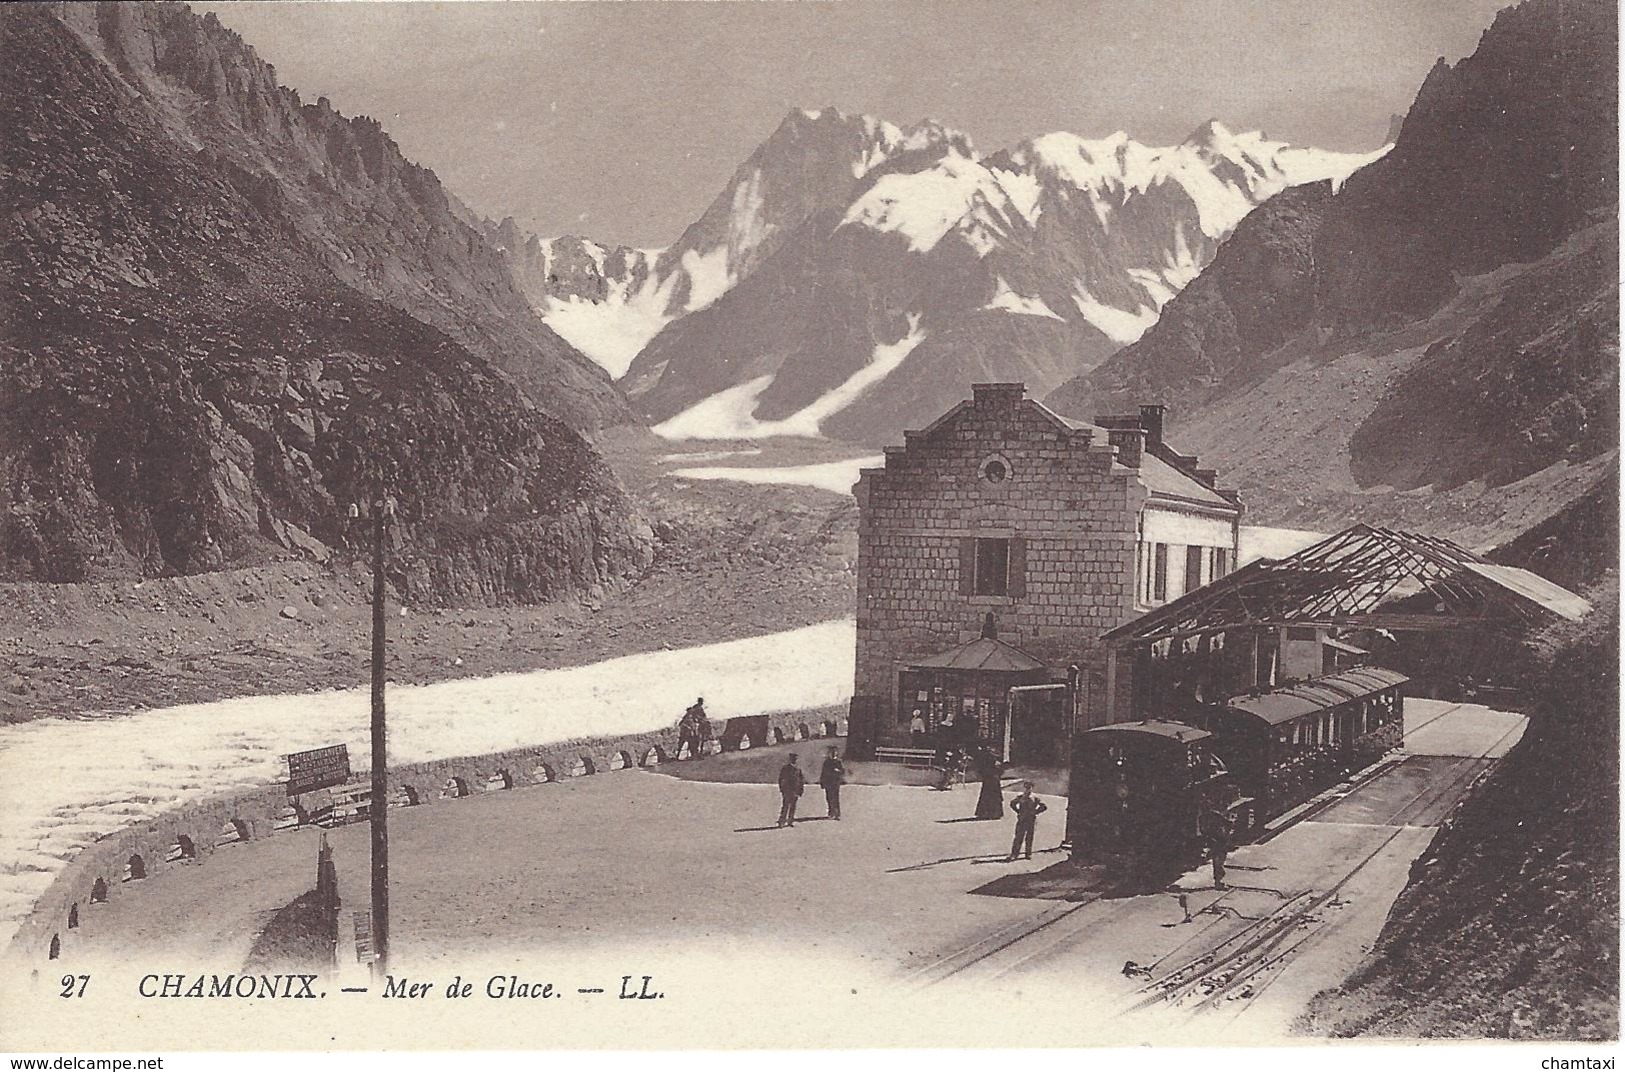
point(380, 766)
point(1111, 685)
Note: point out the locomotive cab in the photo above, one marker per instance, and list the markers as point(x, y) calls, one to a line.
point(1138, 789)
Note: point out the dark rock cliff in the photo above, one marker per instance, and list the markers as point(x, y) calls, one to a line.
point(340, 186)
point(185, 385)
point(1256, 296)
point(1473, 264)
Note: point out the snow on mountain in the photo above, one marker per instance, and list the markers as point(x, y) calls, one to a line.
point(923, 206)
point(1116, 324)
point(1224, 174)
point(1029, 264)
point(1011, 302)
point(609, 302)
point(788, 307)
point(730, 414)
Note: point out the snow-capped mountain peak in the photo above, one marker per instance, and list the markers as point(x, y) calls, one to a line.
point(853, 270)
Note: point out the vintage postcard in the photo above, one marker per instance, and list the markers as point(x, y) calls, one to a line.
point(702, 526)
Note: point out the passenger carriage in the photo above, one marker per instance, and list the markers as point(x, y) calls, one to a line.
point(1282, 747)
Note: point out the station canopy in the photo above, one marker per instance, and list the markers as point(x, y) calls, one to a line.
point(982, 655)
point(1363, 578)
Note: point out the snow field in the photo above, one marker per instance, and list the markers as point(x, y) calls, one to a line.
point(837, 477)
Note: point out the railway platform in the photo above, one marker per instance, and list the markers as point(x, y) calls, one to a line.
point(1299, 910)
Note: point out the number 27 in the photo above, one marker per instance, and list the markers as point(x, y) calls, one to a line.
point(73, 986)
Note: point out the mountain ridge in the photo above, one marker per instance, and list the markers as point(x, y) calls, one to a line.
point(187, 387)
point(1459, 293)
point(916, 259)
point(378, 221)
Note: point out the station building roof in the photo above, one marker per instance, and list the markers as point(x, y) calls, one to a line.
point(1363, 577)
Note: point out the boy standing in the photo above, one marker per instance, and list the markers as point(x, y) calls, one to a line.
point(1027, 808)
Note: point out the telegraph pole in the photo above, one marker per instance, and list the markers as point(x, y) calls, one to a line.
point(379, 811)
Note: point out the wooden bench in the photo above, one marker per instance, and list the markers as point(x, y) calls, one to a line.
point(909, 757)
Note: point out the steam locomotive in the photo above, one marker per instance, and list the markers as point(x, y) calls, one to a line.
point(1140, 788)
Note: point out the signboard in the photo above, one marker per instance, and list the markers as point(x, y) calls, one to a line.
point(318, 768)
point(363, 938)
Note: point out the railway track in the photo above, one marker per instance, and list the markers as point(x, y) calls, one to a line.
point(1231, 969)
point(989, 946)
point(1238, 970)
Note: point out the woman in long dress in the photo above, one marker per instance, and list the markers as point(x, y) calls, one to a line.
point(990, 804)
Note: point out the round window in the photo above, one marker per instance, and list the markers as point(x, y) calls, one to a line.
point(995, 471)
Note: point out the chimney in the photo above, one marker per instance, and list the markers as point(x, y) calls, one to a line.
point(995, 393)
point(1130, 444)
point(1207, 476)
point(1151, 421)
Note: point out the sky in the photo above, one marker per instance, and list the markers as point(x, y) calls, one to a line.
point(622, 121)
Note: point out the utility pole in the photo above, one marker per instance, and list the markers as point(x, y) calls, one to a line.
point(379, 811)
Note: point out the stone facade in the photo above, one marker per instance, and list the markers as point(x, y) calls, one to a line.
point(1066, 505)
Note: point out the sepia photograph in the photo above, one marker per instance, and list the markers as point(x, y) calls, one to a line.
point(956, 526)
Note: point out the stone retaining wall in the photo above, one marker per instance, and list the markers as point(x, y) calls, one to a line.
point(189, 835)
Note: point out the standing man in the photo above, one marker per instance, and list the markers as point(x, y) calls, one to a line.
point(831, 777)
point(1216, 830)
point(1027, 808)
point(688, 735)
point(791, 783)
point(916, 729)
point(702, 727)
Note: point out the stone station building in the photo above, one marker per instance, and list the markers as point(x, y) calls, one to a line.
point(1003, 521)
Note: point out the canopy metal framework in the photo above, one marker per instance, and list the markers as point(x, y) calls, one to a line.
point(1363, 577)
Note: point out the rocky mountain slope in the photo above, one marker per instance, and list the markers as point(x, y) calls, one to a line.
point(939, 267)
point(1509, 927)
point(1438, 339)
point(341, 188)
point(610, 301)
point(844, 242)
point(186, 384)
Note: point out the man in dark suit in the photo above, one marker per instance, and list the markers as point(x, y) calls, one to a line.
point(1217, 830)
point(1027, 808)
point(831, 777)
point(791, 783)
